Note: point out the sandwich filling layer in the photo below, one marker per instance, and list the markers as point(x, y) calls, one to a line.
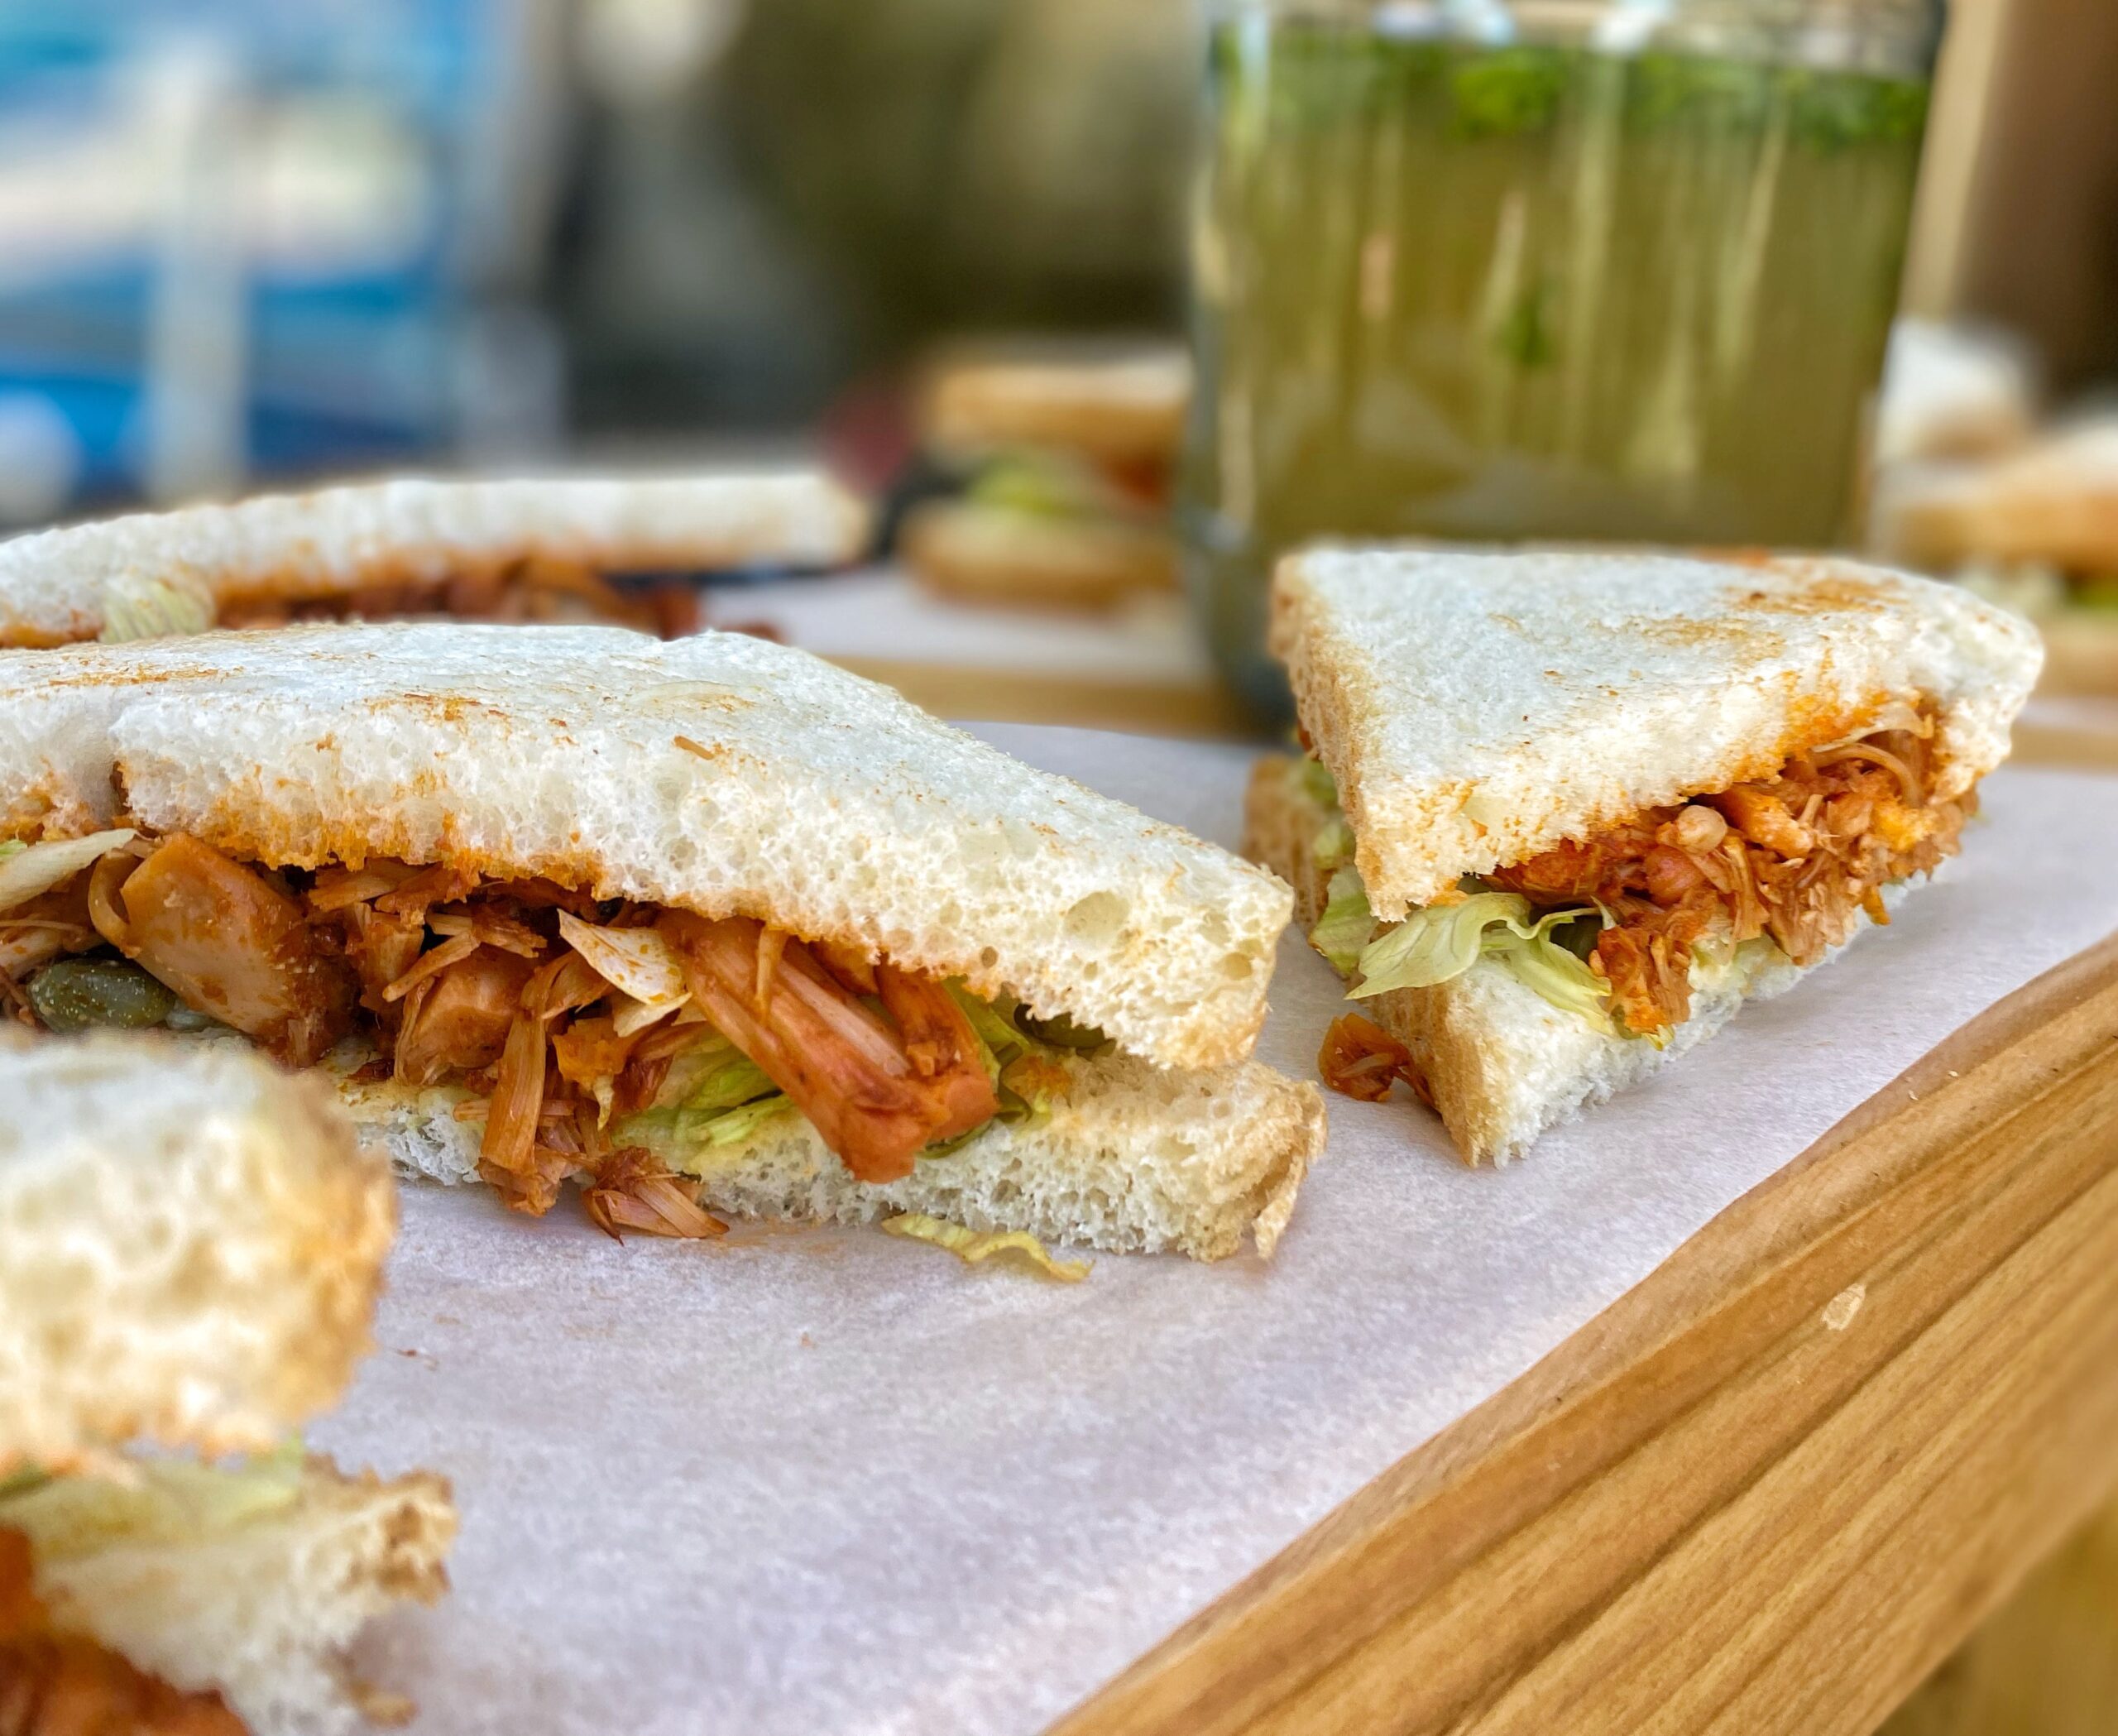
point(56, 1683)
point(538, 591)
point(591, 1037)
point(1611, 926)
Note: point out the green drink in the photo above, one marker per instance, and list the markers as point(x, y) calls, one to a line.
point(1538, 290)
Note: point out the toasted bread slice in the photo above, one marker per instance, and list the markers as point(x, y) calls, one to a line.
point(259, 1601)
point(1503, 1066)
point(1131, 1160)
point(62, 586)
point(1119, 409)
point(1477, 709)
point(721, 775)
point(190, 1246)
point(991, 554)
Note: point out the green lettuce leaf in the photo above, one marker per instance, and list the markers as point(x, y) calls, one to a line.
point(1333, 846)
point(136, 606)
point(1342, 933)
point(1319, 785)
point(1439, 944)
point(12, 848)
point(163, 1501)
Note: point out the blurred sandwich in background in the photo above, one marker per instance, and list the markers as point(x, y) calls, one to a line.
point(1059, 474)
point(615, 551)
point(2036, 531)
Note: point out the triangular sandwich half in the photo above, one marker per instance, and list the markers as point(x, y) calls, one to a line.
point(707, 925)
point(1566, 811)
point(190, 1247)
point(546, 550)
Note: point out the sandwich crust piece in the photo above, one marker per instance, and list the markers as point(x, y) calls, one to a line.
point(530, 549)
point(1478, 709)
point(190, 1247)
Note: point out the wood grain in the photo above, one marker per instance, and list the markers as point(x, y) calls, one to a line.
point(1770, 1488)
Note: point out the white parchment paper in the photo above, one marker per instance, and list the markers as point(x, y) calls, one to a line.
point(811, 1481)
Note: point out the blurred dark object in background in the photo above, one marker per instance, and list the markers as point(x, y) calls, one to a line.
point(778, 196)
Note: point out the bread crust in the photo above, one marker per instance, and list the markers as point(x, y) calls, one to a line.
point(1478, 709)
point(1120, 409)
point(57, 586)
point(717, 774)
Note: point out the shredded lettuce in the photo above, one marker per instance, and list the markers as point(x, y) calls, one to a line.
point(1442, 941)
point(163, 1501)
point(12, 848)
point(1318, 784)
point(30, 870)
point(972, 1246)
point(1558, 976)
point(136, 606)
point(1333, 846)
point(1048, 485)
point(21, 1482)
point(1343, 932)
point(710, 1075)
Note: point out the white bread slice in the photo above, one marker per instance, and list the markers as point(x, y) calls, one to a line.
point(190, 1245)
point(1479, 708)
point(55, 586)
point(1134, 1159)
point(2056, 502)
point(262, 1609)
point(991, 554)
point(1122, 408)
point(1503, 1063)
point(717, 774)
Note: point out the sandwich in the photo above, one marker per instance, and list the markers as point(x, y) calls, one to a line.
point(616, 551)
point(2037, 532)
point(708, 927)
point(190, 1247)
point(1562, 813)
point(1059, 478)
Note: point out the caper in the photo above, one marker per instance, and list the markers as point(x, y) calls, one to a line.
point(82, 994)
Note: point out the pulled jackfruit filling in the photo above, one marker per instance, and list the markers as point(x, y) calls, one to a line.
point(602, 1040)
point(1612, 927)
